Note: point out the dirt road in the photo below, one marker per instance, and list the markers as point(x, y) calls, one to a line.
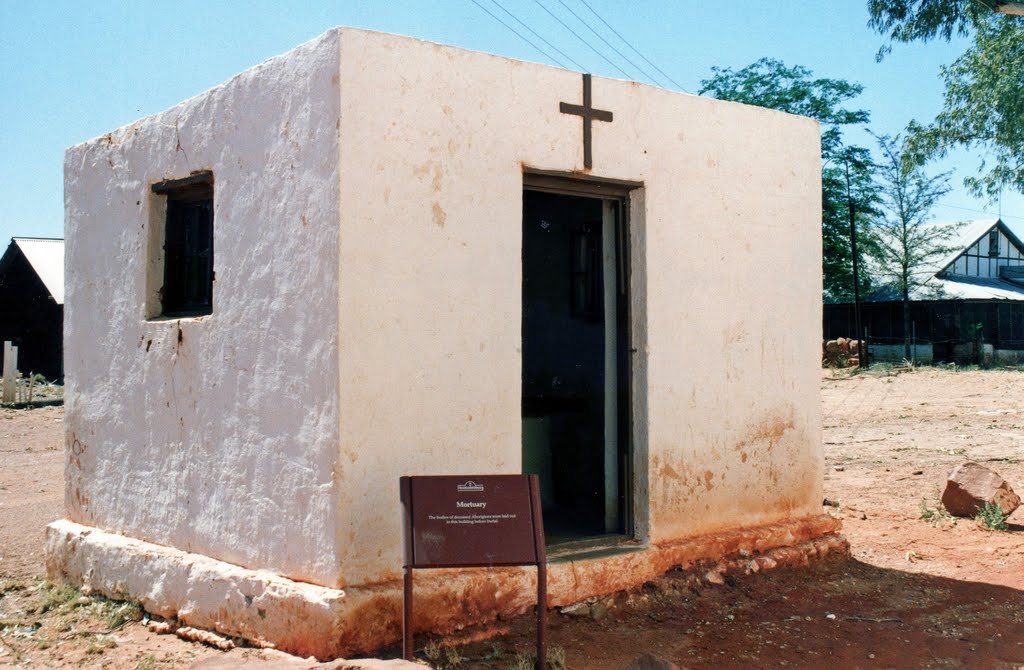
point(914, 594)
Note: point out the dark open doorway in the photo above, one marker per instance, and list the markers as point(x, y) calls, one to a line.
point(575, 377)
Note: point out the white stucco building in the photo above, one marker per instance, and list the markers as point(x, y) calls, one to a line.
point(375, 256)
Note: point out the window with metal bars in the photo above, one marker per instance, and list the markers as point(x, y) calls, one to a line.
point(188, 246)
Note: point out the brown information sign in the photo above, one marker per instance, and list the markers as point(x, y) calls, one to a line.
point(477, 521)
point(473, 521)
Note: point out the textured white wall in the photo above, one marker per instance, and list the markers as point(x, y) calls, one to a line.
point(435, 143)
point(274, 433)
point(216, 434)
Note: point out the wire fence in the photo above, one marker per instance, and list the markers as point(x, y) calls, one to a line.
point(999, 323)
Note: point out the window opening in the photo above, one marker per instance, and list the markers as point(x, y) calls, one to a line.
point(188, 246)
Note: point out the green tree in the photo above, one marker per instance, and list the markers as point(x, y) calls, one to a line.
point(770, 83)
point(836, 195)
point(983, 109)
point(905, 245)
point(923, 20)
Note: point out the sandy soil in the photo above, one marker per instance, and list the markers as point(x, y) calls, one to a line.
point(890, 442)
point(913, 594)
point(42, 626)
point(31, 485)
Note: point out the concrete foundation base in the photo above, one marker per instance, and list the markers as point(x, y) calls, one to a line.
point(311, 620)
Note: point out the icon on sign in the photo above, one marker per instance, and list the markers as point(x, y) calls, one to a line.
point(469, 486)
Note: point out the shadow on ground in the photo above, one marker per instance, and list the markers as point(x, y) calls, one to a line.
point(842, 613)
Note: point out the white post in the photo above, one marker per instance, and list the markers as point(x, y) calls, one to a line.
point(10, 371)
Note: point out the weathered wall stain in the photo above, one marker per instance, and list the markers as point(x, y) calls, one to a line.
point(76, 499)
point(77, 447)
point(735, 333)
point(765, 472)
point(439, 215)
point(438, 175)
point(769, 429)
point(667, 471)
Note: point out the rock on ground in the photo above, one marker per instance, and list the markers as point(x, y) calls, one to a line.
point(970, 486)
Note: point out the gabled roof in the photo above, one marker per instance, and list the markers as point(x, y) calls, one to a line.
point(46, 256)
point(1017, 231)
point(963, 236)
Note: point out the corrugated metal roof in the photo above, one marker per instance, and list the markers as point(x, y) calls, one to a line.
point(46, 256)
point(968, 288)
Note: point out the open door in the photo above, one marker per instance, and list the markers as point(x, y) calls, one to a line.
point(575, 405)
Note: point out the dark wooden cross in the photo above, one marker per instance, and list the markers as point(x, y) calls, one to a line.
point(587, 111)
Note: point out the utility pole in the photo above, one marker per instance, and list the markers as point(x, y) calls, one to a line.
point(856, 278)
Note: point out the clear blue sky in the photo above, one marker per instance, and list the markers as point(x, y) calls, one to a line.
point(70, 71)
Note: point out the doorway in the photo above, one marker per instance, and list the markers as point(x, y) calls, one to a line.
point(575, 375)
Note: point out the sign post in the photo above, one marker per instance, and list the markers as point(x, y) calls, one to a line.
point(476, 521)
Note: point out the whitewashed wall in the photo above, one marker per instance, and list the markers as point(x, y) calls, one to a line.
point(727, 239)
point(272, 435)
point(215, 434)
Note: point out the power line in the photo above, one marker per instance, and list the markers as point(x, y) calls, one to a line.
point(569, 28)
point(540, 37)
point(610, 46)
point(981, 211)
point(520, 35)
point(627, 43)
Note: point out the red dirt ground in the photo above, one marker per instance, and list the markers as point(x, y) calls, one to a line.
point(913, 593)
